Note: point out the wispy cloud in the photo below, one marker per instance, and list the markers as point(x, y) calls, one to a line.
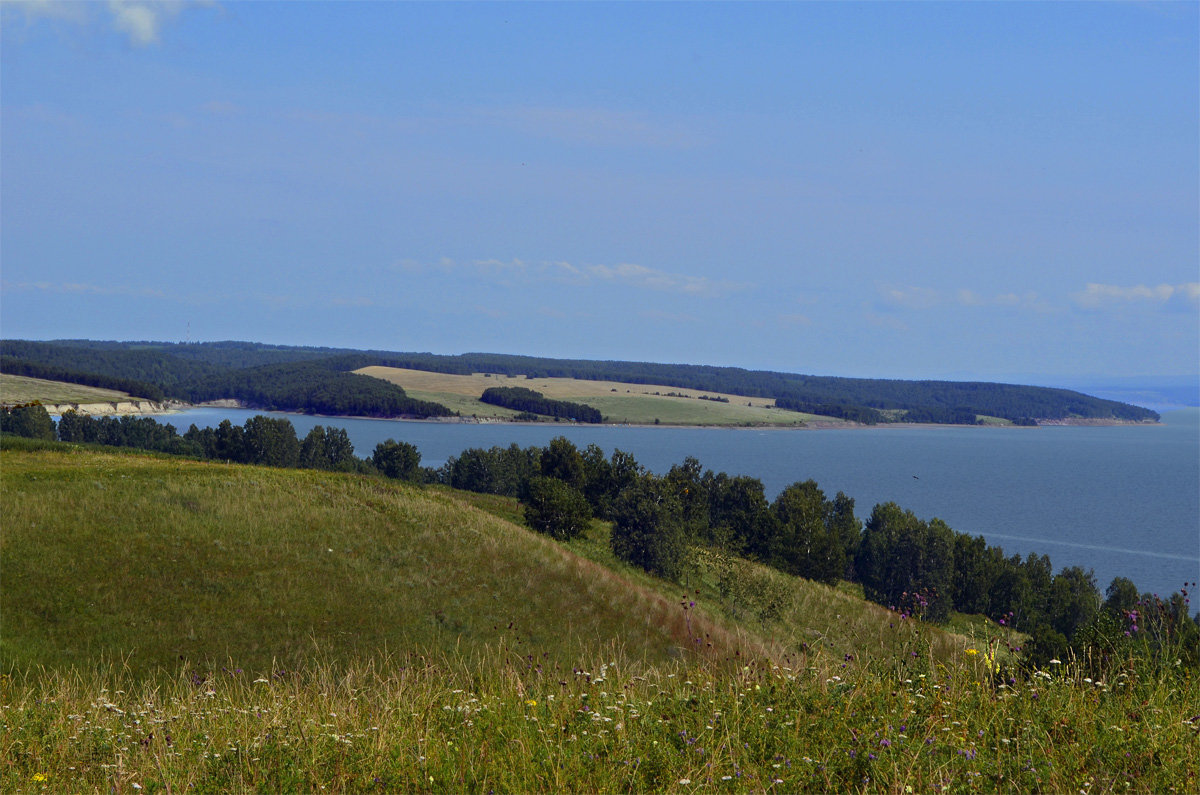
point(643, 277)
point(1104, 296)
point(910, 297)
point(923, 298)
point(141, 21)
point(628, 274)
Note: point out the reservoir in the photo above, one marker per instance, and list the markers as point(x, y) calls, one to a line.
point(1121, 500)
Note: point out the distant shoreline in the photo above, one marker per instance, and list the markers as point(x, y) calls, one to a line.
point(817, 425)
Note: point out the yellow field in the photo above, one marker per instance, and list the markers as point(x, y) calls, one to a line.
point(618, 402)
point(19, 389)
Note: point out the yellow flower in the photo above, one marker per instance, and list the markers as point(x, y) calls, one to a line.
point(972, 652)
point(40, 777)
point(531, 703)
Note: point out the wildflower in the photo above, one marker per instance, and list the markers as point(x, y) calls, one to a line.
point(531, 703)
point(39, 777)
point(972, 652)
point(685, 781)
point(1056, 662)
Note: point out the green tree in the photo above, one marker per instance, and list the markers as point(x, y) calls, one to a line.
point(807, 544)
point(230, 443)
point(561, 459)
point(647, 531)
point(687, 481)
point(901, 557)
point(76, 427)
point(1074, 600)
point(556, 509)
point(31, 420)
point(848, 529)
point(271, 442)
point(327, 448)
point(398, 460)
point(739, 515)
point(1121, 596)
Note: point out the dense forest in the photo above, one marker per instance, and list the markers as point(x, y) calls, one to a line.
point(920, 568)
point(522, 399)
point(49, 372)
point(310, 387)
point(259, 377)
point(270, 372)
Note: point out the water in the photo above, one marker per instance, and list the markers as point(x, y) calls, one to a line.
point(1122, 500)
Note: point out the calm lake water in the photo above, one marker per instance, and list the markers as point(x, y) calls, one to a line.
point(1123, 500)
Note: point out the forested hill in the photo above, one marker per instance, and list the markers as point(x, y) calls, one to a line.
point(260, 376)
point(286, 377)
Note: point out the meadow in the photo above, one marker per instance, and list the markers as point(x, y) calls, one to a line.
point(174, 625)
point(619, 402)
point(16, 389)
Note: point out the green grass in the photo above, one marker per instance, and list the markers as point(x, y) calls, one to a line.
point(155, 561)
point(465, 405)
point(186, 626)
point(440, 723)
point(16, 389)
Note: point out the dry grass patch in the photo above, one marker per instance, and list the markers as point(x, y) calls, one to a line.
point(16, 389)
point(617, 401)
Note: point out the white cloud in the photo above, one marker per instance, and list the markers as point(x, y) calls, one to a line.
point(1102, 296)
point(141, 20)
point(49, 9)
point(911, 297)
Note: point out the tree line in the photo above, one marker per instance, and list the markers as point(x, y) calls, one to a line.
point(920, 567)
point(522, 399)
point(313, 388)
point(138, 389)
point(182, 370)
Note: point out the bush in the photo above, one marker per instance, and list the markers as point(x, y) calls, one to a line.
point(30, 420)
point(647, 530)
point(554, 508)
point(398, 460)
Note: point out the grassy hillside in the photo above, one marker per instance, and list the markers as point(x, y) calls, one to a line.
point(155, 561)
point(16, 389)
point(617, 401)
point(171, 625)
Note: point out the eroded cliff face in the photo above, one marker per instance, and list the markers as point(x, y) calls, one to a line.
point(116, 407)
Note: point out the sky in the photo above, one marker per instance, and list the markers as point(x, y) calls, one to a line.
point(999, 191)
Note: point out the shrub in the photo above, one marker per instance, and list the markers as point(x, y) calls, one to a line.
point(554, 508)
point(647, 530)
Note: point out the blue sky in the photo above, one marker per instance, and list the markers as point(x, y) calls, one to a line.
point(996, 190)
